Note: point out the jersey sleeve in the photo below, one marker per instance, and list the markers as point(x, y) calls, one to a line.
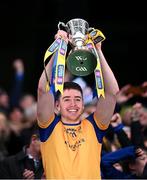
point(47, 123)
point(99, 128)
point(99, 124)
point(45, 129)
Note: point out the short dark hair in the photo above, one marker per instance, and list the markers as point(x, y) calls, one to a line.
point(33, 133)
point(69, 85)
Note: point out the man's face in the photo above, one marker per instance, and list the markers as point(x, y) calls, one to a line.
point(36, 144)
point(70, 105)
point(4, 100)
point(143, 116)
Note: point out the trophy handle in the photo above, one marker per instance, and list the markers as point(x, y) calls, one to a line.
point(91, 29)
point(63, 25)
point(96, 35)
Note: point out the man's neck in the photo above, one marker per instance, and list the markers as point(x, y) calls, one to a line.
point(66, 121)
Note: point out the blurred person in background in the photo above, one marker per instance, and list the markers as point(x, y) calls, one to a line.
point(27, 100)
point(17, 84)
point(130, 94)
point(4, 135)
point(116, 136)
point(22, 124)
point(125, 113)
point(16, 126)
point(138, 166)
point(4, 101)
point(26, 164)
point(122, 131)
point(11, 99)
point(30, 122)
point(135, 159)
point(14, 105)
point(116, 163)
point(139, 125)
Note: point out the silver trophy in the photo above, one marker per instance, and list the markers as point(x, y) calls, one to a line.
point(81, 61)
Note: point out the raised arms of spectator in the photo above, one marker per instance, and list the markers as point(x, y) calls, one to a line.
point(116, 123)
point(17, 86)
point(109, 159)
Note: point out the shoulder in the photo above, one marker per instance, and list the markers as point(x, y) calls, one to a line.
point(96, 122)
point(99, 129)
point(46, 130)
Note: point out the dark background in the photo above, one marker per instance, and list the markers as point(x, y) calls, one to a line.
point(27, 28)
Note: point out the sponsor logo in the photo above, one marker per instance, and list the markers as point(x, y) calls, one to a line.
point(81, 58)
point(98, 78)
point(53, 46)
point(62, 51)
point(89, 45)
point(81, 69)
point(63, 48)
point(60, 74)
point(93, 33)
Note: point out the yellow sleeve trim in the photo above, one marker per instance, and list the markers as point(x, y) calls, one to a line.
point(99, 124)
point(46, 123)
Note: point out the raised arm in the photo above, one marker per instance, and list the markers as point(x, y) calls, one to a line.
point(105, 106)
point(45, 101)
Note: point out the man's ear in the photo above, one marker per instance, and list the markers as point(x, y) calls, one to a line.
point(57, 106)
point(83, 107)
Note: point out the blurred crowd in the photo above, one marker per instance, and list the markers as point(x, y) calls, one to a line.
point(20, 156)
point(124, 149)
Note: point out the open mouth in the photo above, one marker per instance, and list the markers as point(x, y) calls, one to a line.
point(72, 110)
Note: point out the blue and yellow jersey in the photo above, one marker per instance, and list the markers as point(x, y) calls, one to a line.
point(71, 151)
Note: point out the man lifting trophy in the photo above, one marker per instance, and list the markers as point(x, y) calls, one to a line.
point(71, 143)
point(82, 59)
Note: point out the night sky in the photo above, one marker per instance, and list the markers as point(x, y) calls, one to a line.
point(28, 28)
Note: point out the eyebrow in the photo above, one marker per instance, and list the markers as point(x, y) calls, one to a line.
point(70, 97)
